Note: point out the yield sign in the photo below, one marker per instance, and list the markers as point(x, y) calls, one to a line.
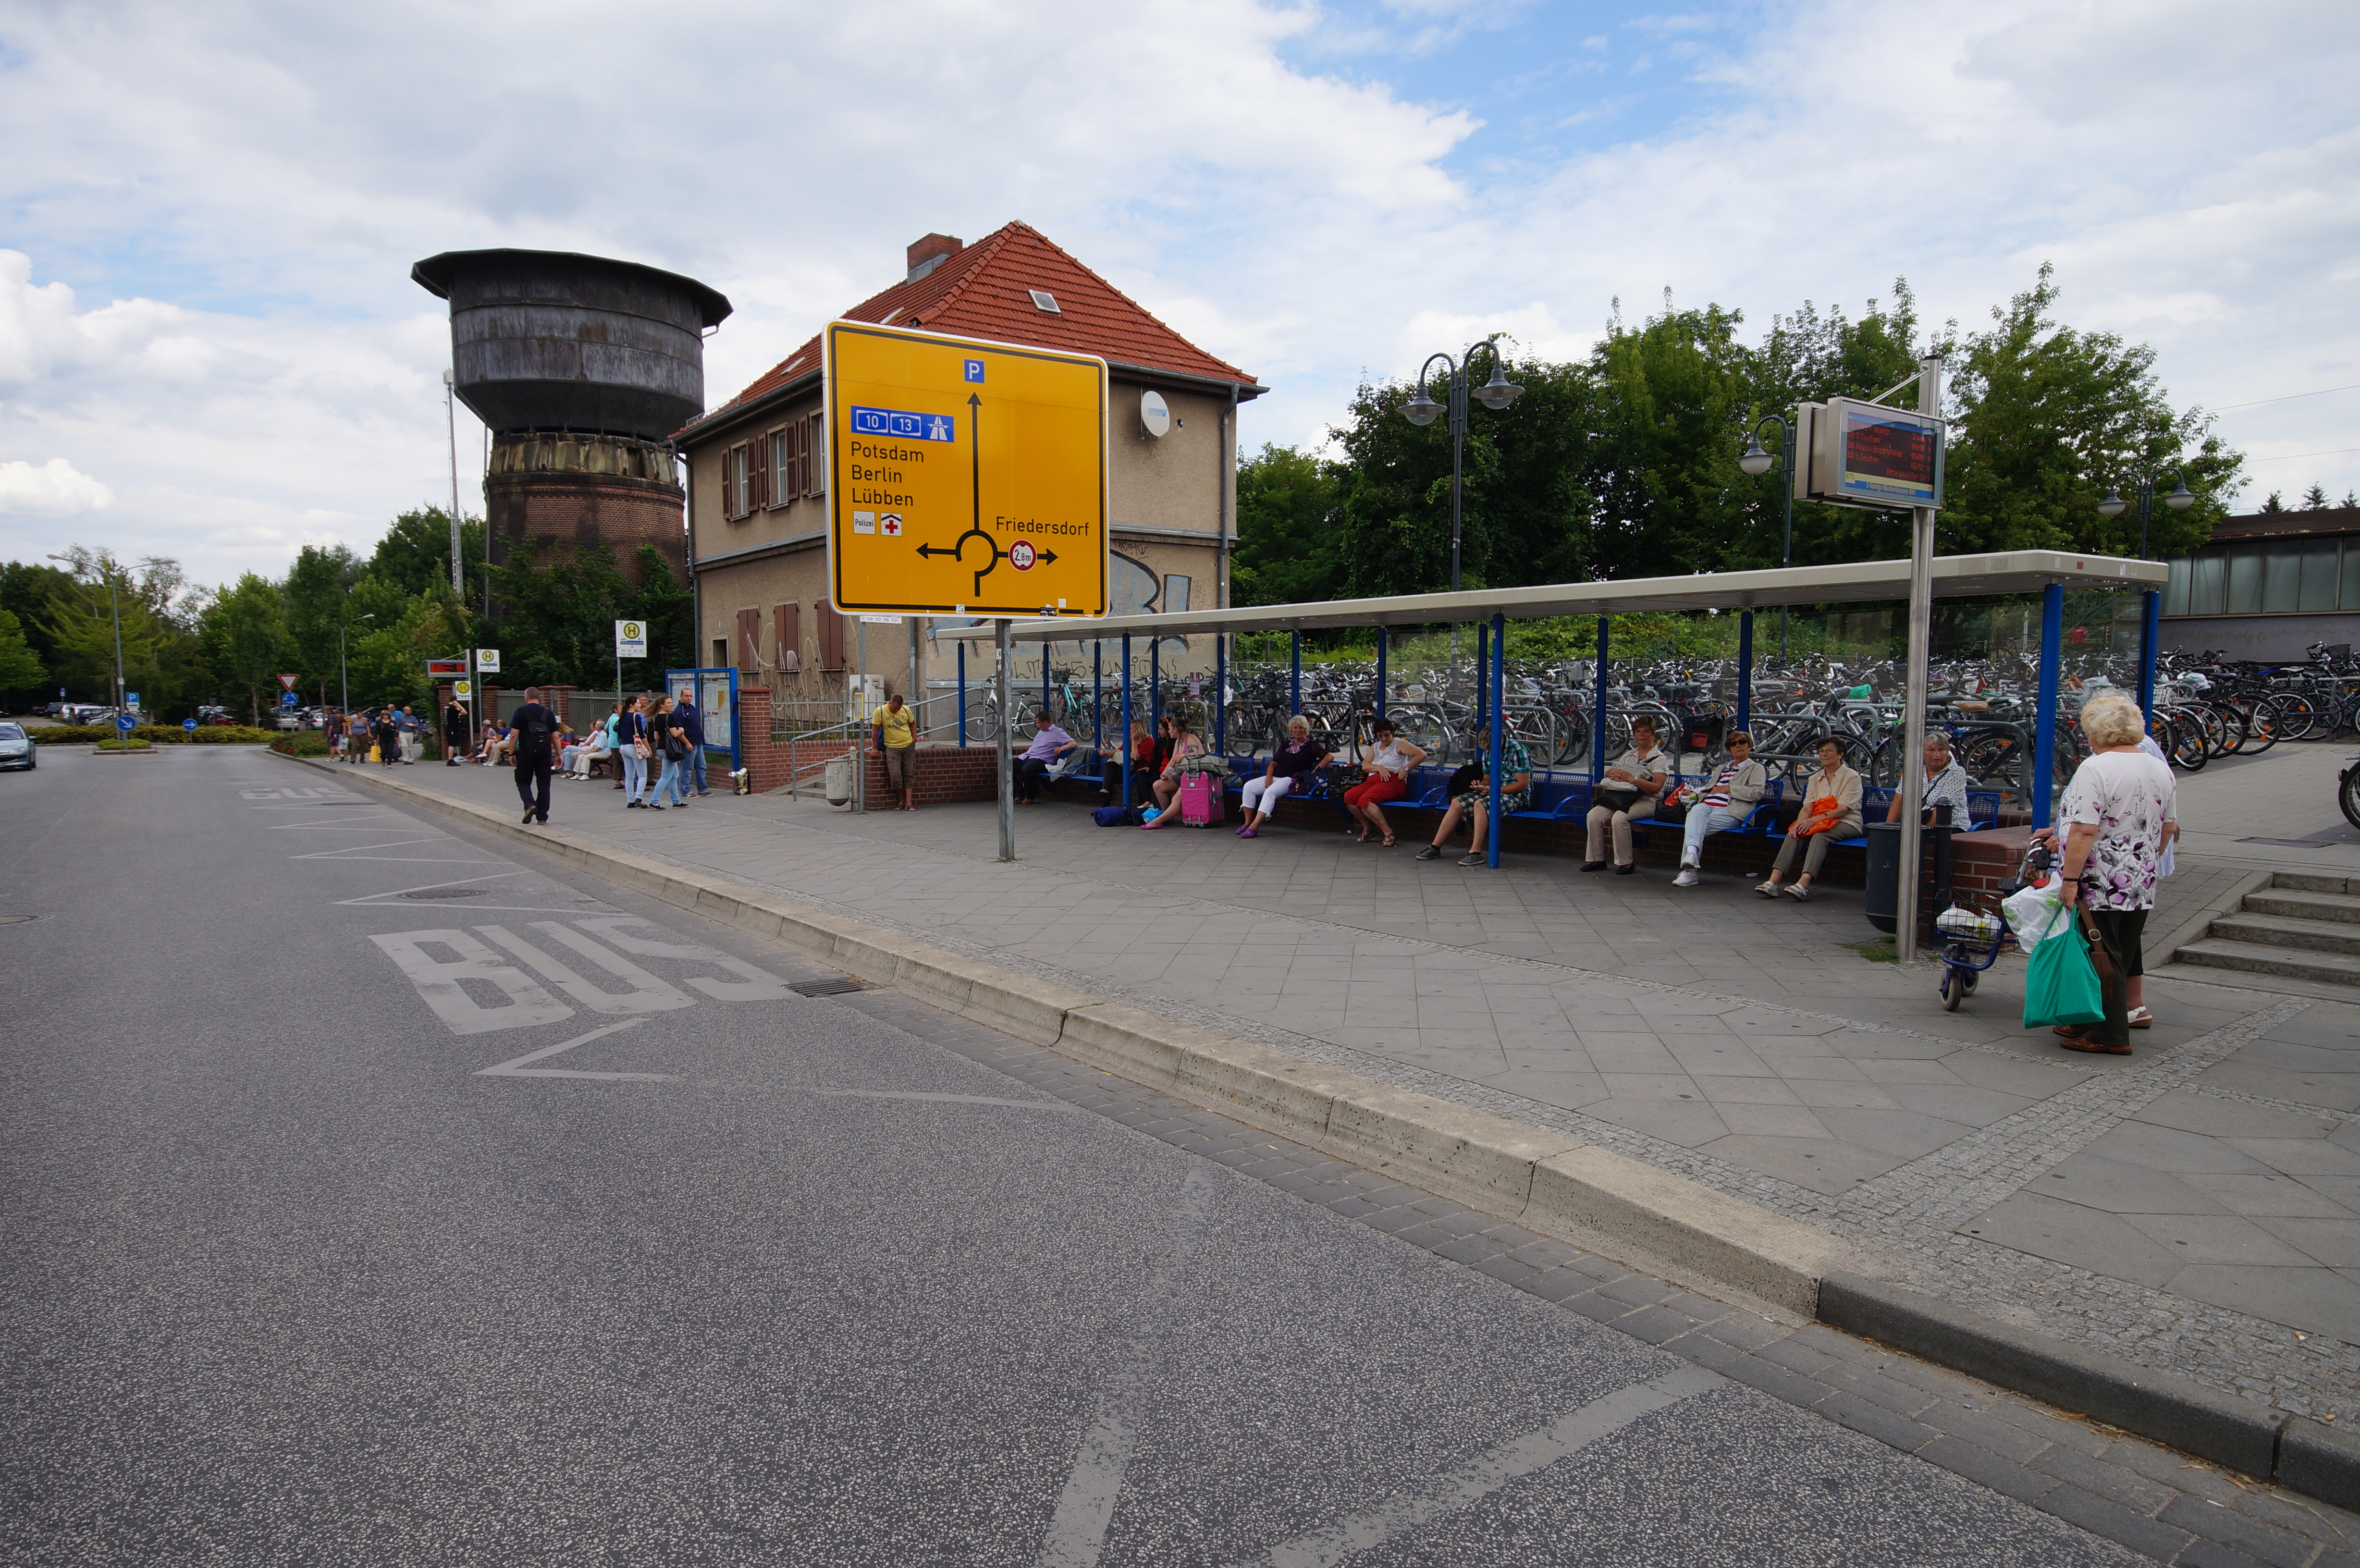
point(288, 681)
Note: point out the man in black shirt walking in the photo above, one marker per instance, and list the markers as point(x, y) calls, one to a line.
point(454, 732)
point(535, 729)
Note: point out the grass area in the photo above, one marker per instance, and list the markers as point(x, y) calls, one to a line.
point(1877, 949)
point(132, 744)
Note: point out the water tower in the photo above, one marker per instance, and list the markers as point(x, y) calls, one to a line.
point(582, 367)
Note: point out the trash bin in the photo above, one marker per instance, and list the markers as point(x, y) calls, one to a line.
point(1883, 899)
point(839, 783)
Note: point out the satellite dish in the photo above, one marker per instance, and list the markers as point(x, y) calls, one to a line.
point(1153, 415)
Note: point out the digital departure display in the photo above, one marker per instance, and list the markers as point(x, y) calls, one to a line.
point(1894, 461)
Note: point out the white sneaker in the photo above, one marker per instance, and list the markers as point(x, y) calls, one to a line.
point(1686, 879)
point(1691, 857)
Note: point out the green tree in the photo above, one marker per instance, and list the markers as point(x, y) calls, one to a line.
point(315, 601)
point(245, 640)
point(2050, 420)
point(2315, 498)
point(557, 617)
point(20, 667)
point(416, 549)
point(157, 614)
point(26, 589)
point(1671, 496)
point(1287, 549)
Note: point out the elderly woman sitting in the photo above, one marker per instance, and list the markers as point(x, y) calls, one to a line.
point(586, 753)
point(1831, 811)
point(1721, 804)
point(1291, 768)
point(1946, 786)
point(1625, 795)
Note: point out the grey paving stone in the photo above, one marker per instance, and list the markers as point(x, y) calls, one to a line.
point(1866, 1416)
point(1892, 1394)
point(2095, 1514)
point(1776, 1380)
point(2083, 1238)
point(1636, 1290)
point(2114, 1483)
point(1985, 1431)
point(1744, 1331)
point(2260, 1541)
point(1597, 1307)
point(1656, 1325)
point(1797, 1355)
point(1985, 1468)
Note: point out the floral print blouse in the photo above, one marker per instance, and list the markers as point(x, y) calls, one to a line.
point(2128, 796)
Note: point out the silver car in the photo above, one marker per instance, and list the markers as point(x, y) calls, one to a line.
point(15, 748)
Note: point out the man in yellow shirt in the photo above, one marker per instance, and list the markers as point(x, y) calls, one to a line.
point(897, 733)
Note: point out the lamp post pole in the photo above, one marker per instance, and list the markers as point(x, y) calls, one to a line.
point(2179, 500)
point(1495, 394)
point(1756, 462)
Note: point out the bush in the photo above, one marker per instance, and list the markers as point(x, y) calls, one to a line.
point(301, 743)
point(208, 734)
point(132, 744)
point(69, 735)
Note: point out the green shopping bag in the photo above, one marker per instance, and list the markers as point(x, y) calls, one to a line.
point(2060, 985)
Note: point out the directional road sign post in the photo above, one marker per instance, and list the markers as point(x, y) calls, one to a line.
point(964, 478)
point(125, 723)
point(189, 728)
point(630, 642)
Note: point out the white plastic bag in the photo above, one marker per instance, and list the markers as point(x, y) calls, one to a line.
point(2030, 912)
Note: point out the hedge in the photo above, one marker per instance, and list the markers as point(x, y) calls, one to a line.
point(301, 743)
point(172, 734)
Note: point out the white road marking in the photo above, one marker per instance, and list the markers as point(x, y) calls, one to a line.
point(1077, 1531)
point(1057, 1106)
point(1493, 1468)
point(646, 994)
point(375, 819)
point(439, 982)
point(430, 887)
point(752, 985)
point(519, 1068)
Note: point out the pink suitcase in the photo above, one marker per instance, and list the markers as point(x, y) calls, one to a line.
point(1202, 804)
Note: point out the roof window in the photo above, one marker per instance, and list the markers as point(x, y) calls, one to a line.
point(1044, 301)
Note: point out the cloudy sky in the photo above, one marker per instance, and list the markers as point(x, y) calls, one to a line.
point(210, 346)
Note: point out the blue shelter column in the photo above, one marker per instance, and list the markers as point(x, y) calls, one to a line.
point(1295, 688)
point(2150, 634)
point(1126, 719)
point(962, 691)
point(1047, 704)
point(2044, 716)
point(1155, 684)
point(1598, 716)
point(1744, 669)
point(1098, 691)
point(1498, 729)
point(1380, 671)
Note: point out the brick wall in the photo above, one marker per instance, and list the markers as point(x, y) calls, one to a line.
point(945, 773)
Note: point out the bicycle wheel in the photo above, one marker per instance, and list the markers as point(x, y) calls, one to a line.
point(2348, 795)
point(982, 722)
point(1424, 728)
point(2261, 731)
point(2292, 717)
point(2187, 743)
point(1573, 740)
point(1537, 728)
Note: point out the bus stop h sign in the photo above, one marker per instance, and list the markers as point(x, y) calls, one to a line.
point(963, 477)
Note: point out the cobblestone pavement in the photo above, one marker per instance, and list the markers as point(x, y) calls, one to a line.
point(2194, 1206)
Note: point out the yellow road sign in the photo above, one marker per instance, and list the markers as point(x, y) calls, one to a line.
point(963, 477)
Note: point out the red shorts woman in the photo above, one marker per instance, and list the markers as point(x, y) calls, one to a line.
point(1388, 779)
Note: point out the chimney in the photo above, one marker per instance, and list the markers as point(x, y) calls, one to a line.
point(929, 254)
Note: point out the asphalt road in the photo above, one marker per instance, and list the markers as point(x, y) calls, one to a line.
point(369, 1195)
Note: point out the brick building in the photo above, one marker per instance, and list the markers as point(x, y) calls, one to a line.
point(758, 466)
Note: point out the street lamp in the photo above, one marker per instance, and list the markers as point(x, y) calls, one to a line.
point(343, 673)
point(1495, 394)
point(1757, 463)
point(2179, 500)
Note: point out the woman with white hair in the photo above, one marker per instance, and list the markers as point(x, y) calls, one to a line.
point(2121, 811)
point(1291, 768)
point(1946, 785)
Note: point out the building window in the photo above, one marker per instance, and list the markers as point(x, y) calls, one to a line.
point(735, 491)
point(783, 464)
point(2267, 577)
point(798, 460)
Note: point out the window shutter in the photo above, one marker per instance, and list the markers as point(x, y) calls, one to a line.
point(794, 444)
point(787, 633)
point(750, 639)
point(831, 636)
point(760, 449)
point(816, 442)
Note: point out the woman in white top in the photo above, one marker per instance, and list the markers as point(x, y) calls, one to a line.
point(1388, 779)
point(2120, 812)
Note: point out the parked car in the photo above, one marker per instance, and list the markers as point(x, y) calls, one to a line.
point(16, 749)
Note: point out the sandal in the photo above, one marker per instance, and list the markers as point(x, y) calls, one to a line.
point(1767, 890)
point(1389, 844)
point(2141, 1019)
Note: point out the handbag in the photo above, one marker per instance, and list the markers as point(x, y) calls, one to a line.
point(2061, 986)
point(1824, 813)
point(1617, 796)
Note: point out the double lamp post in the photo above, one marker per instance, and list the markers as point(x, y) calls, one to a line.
point(1495, 394)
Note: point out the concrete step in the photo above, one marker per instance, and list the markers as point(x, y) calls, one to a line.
point(2281, 930)
point(2254, 958)
point(2316, 882)
point(2304, 905)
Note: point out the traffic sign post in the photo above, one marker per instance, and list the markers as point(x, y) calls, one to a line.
point(124, 724)
point(964, 478)
point(189, 729)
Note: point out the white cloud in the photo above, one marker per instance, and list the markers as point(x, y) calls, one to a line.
point(211, 303)
point(56, 488)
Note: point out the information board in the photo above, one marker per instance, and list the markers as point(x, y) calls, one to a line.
point(1859, 453)
point(963, 477)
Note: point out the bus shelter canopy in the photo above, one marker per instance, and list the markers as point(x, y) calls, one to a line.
point(1955, 577)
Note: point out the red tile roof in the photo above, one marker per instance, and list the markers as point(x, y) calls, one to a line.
point(984, 291)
